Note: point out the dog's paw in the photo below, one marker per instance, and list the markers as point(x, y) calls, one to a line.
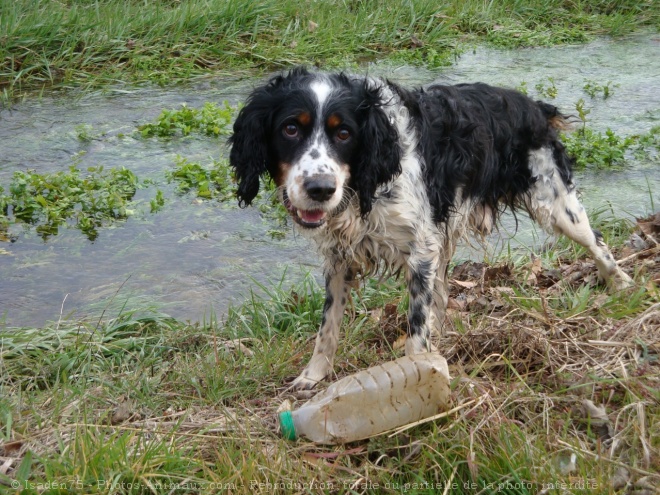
point(418, 345)
point(620, 280)
point(316, 371)
point(304, 383)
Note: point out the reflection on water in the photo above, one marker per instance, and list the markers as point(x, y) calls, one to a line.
point(194, 258)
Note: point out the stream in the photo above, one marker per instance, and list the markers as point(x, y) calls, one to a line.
point(194, 258)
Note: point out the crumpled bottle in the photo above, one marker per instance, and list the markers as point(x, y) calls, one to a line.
point(372, 401)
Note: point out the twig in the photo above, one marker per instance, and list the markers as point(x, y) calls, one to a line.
point(645, 252)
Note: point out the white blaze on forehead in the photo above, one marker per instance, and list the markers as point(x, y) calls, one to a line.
point(322, 90)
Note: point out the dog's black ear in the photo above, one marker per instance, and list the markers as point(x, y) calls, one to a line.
point(380, 156)
point(249, 147)
point(251, 155)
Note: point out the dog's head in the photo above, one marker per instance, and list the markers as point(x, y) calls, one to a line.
point(321, 137)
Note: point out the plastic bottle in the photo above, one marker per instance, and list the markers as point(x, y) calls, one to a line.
point(372, 401)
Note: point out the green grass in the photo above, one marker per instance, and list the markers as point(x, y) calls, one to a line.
point(90, 42)
point(138, 403)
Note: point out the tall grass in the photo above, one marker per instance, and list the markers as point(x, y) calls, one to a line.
point(44, 42)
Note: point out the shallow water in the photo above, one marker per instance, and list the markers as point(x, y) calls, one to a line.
point(194, 258)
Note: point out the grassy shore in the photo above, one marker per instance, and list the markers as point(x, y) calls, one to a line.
point(556, 390)
point(43, 42)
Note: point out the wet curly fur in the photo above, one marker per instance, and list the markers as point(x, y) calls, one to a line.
point(383, 177)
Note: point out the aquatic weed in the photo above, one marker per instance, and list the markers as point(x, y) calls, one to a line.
point(549, 91)
point(593, 89)
point(54, 199)
point(157, 202)
point(210, 120)
point(593, 148)
point(214, 181)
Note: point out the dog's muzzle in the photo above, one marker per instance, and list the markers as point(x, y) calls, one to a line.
point(310, 219)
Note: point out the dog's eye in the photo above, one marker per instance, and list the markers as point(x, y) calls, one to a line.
point(290, 130)
point(343, 134)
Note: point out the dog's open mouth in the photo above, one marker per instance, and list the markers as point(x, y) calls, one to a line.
point(309, 219)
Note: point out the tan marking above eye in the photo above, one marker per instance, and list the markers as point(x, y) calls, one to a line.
point(304, 118)
point(334, 121)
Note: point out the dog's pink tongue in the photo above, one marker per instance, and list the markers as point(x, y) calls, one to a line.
point(311, 216)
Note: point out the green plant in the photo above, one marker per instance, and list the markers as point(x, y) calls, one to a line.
point(157, 202)
point(592, 88)
point(46, 43)
point(210, 120)
point(582, 111)
point(52, 200)
point(547, 91)
point(593, 149)
point(522, 87)
point(84, 132)
point(214, 181)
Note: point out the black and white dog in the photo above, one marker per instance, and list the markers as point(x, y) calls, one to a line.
point(381, 177)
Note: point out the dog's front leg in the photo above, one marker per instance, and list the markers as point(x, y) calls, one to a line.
point(420, 277)
point(338, 283)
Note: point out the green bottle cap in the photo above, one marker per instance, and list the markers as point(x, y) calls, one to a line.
point(286, 425)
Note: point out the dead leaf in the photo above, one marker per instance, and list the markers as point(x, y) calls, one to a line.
point(594, 412)
point(620, 478)
point(4, 469)
point(469, 270)
point(501, 290)
point(400, 343)
point(453, 303)
point(599, 301)
point(479, 303)
point(598, 419)
point(11, 448)
point(498, 272)
point(650, 225)
point(376, 314)
point(567, 463)
point(415, 42)
point(122, 413)
point(465, 285)
point(237, 344)
point(311, 26)
point(390, 310)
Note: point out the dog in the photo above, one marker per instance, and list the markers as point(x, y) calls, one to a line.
point(386, 178)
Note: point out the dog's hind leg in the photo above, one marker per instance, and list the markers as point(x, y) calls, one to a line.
point(555, 206)
point(338, 283)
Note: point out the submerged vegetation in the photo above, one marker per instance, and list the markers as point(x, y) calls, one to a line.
point(44, 42)
point(49, 201)
point(210, 120)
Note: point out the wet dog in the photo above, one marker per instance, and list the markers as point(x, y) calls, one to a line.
point(383, 177)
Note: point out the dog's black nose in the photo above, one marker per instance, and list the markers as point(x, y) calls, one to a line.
point(320, 187)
